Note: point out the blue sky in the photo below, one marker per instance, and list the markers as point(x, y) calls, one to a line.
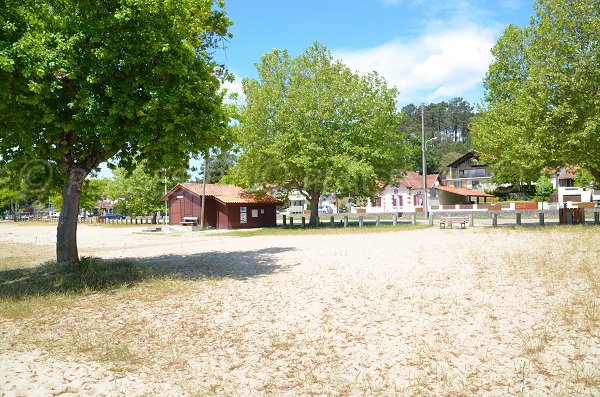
point(429, 50)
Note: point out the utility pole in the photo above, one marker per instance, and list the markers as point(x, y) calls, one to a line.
point(423, 150)
point(203, 192)
point(166, 201)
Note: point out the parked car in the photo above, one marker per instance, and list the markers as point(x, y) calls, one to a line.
point(325, 209)
point(112, 216)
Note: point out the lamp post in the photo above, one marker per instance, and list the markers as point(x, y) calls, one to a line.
point(424, 161)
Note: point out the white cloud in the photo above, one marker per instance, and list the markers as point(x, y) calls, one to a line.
point(234, 87)
point(439, 63)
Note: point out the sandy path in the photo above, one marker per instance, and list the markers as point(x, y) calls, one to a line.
point(423, 312)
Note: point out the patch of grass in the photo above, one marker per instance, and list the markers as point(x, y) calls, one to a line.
point(351, 229)
point(92, 274)
point(587, 376)
point(18, 255)
point(119, 356)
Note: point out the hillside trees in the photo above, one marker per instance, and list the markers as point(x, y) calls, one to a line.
point(542, 93)
point(309, 123)
point(84, 82)
point(449, 121)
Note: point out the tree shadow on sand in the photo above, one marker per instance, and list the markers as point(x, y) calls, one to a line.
point(96, 274)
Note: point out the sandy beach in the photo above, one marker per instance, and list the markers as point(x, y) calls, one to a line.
point(475, 312)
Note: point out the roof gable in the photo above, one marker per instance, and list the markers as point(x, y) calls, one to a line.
point(414, 180)
point(462, 159)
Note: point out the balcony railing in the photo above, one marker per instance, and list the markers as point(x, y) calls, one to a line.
point(466, 174)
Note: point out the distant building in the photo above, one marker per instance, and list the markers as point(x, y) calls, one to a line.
point(465, 172)
point(563, 181)
point(405, 194)
point(226, 206)
point(297, 203)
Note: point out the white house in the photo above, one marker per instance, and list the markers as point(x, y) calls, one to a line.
point(406, 194)
point(564, 181)
point(297, 203)
point(466, 172)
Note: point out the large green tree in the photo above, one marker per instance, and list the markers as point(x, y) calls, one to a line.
point(309, 123)
point(142, 190)
point(83, 82)
point(542, 93)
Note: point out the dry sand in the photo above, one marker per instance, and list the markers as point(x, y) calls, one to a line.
point(417, 312)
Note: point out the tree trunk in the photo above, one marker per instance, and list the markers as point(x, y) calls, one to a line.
point(66, 232)
point(314, 208)
point(596, 174)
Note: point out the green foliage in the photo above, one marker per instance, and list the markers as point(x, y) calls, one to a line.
point(514, 192)
point(541, 93)
point(548, 188)
point(74, 95)
point(446, 121)
point(311, 124)
point(123, 81)
point(218, 165)
point(92, 191)
point(415, 156)
point(584, 178)
point(448, 158)
point(141, 190)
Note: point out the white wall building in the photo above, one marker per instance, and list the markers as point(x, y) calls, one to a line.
point(406, 194)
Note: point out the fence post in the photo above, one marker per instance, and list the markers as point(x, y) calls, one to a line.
point(518, 219)
point(303, 221)
point(345, 220)
point(471, 220)
point(291, 221)
point(542, 219)
point(360, 221)
point(569, 217)
point(378, 220)
point(395, 220)
point(596, 218)
point(494, 219)
point(332, 221)
point(414, 218)
point(284, 221)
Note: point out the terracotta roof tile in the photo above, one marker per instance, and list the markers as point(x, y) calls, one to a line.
point(463, 192)
point(228, 194)
point(414, 180)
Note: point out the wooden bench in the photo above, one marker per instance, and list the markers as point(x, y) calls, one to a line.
point(449, 220)
point(189, 221)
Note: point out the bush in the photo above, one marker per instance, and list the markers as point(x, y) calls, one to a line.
point(514, 192)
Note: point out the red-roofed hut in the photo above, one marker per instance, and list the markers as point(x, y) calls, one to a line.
point(227, 206)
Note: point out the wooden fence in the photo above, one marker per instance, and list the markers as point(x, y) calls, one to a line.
point(515, 217)
point(130, 220)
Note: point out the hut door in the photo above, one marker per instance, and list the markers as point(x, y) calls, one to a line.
point(175, 216)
